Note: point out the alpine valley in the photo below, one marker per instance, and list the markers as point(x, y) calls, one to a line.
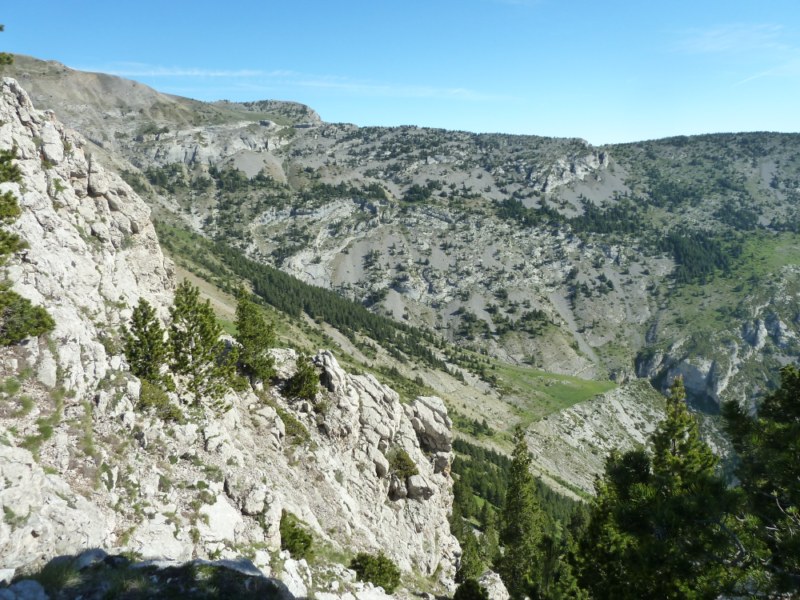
point(447, 287)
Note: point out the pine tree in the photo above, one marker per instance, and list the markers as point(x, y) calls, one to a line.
point(663, 527)
point(255, 337)
point(144, 344)
point(304, 384)
point(470, 566)
point(521, 525)
point(680, 457)
point(490, 541)
point(768, 446)
point(195, 346)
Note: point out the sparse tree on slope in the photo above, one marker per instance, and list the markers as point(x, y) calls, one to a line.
point(521, 525)
point(304, 384)
point(144, 343)
point(255, 336)
point(195, 346)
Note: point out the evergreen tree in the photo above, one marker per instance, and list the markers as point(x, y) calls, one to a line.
point(255, 337)
point(521, 525)
point(195, 346)
point(490, 546)
point(768, 446)
point(304, 384)
point(470, 566)
point(663, 527)
point(144, 344)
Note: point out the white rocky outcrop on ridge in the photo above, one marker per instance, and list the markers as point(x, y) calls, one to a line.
point(109, 475)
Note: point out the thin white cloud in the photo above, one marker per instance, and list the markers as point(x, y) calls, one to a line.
point(790, 68)
point(269, 80)
point(754, 45)
point(733, 38)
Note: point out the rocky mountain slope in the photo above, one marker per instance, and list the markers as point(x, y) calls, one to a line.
point(652, 259)
point(83, 465)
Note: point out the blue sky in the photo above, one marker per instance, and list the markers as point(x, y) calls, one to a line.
point(606, 71)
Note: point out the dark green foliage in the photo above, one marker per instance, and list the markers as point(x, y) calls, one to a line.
point(514, 210)
point(9, 171)
point(304, 384)
point(400, 463)
point(768, 446)
point(295, 538)
point(521, 525)
point(255, 336)
point(663, 527)
point(144, 344)
point(418, 193)
point(624, 216)
point(378, 569)
point(698, 254)
point(471, 564)
point(470, 589)
point(196, 350)
point(9, 208)
point(152, 397)
point(10, 243)
point(481, 479)
point(20, 319)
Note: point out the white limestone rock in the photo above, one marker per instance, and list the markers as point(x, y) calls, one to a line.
point(494, 586)
point(220, 521)
point(43, 513)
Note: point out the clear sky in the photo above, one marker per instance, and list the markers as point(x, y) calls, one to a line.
point(606, 71)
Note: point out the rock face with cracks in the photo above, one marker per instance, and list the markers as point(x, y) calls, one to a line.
point(105, 474)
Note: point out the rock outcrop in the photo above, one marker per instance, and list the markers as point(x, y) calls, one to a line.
point(572, 445)
point(103, 473)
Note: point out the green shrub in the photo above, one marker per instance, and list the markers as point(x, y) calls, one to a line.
point(295, 538)
point(400, 463)
point(20, 319)
point(153, 397)
point(305, 383)
point(378, 569)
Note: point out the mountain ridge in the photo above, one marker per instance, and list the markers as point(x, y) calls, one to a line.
point(620, 232)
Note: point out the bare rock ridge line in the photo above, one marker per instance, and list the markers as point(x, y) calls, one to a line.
point(110, 476)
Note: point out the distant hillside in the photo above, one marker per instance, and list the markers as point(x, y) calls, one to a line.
point(653, 259)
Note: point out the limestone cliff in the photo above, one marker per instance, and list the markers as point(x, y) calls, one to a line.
point(81, 466)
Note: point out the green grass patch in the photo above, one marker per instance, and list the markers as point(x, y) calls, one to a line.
point(543, 393)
